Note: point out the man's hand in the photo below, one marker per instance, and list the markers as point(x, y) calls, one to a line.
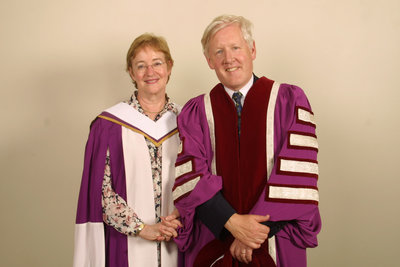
point(248, 229)
point(241, 252)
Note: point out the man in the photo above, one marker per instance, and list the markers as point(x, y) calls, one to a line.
point(246, 175)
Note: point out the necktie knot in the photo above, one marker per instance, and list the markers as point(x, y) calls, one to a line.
point(237, 96)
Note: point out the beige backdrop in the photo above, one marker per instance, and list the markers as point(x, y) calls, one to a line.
point(62, 62)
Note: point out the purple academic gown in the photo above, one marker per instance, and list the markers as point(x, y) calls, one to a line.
point(290, 192)
point(98, 244)
point(103, 134)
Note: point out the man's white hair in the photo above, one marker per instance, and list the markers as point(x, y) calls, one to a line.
point(223, 21)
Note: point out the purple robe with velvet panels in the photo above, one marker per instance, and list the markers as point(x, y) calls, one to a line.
point(290, 192)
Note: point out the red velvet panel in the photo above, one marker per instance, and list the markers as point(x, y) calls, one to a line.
point(243, 169)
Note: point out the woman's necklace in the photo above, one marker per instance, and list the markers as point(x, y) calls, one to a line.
point(148, 111)
point(154, 112)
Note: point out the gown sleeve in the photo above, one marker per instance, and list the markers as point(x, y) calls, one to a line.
point(89, 248)
point(291, 193)
point(195, 183)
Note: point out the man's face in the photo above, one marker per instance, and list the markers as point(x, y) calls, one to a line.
point(231, 57)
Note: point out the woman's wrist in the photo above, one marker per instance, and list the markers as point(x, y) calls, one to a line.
point(139, 229)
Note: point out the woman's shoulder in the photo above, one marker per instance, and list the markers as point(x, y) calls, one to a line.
point(104, 120)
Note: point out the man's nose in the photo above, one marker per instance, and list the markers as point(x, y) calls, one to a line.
point(228, 56)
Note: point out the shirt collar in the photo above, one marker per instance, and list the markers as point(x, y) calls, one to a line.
point(244, 90)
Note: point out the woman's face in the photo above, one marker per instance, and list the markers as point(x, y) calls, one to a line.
point(150, 71)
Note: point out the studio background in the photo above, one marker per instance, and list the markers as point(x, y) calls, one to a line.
point(62, 63)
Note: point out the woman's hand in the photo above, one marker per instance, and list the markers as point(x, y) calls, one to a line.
point(163, 231)
point(172, 220)
point(151, 232)
point(169, 224)
point(174, 214)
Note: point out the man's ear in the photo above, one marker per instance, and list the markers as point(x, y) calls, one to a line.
point(210, 62)
point(253, 51)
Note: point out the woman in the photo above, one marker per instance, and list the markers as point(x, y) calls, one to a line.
point(129, 170)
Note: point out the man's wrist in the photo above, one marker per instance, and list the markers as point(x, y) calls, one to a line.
point(214, 214)
point(230, 222)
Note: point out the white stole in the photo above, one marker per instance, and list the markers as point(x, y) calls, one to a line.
point(139, 181)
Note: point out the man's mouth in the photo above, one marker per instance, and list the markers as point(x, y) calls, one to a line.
point(231, 69)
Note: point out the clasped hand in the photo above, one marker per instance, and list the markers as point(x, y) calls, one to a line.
point(249, 234)
point(164, 230)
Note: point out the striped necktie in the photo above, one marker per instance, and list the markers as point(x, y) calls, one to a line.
point(237, 96)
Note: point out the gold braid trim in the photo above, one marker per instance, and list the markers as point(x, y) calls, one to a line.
point(157, 144)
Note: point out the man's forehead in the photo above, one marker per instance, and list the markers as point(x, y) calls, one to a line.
point(229, 34)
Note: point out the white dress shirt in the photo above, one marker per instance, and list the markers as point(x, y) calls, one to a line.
point(244, 90)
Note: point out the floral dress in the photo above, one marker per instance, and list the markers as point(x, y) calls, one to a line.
point(116, 211)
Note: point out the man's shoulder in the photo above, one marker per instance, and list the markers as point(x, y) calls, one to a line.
point(195, 104)
point(262, 83)
point(218, 88)
point(195, 100)
point(286, 89)
point(294, 91)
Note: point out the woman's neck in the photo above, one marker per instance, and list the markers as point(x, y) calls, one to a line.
point(151, 104)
